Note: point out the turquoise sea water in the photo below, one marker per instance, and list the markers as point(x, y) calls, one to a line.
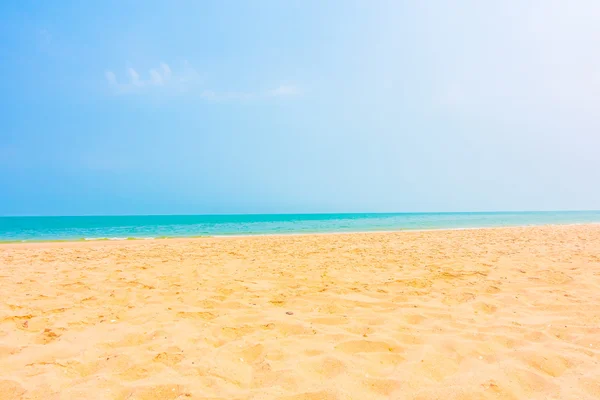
point(155, 226)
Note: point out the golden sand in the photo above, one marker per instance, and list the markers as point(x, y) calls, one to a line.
point(509, 313)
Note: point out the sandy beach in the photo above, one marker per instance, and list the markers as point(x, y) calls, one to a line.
point(506, 313)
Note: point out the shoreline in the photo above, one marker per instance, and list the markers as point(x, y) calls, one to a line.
point(259, 235)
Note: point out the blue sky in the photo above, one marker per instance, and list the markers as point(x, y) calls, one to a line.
point(138, 107)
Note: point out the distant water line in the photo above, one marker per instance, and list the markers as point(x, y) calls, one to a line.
point(33, 229)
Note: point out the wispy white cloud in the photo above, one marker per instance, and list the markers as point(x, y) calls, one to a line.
point(156, 78)
point(186, 79)
point(111, 78)
point(166, 70)
point(135, 77)
point(285, 90)
point(159, 77)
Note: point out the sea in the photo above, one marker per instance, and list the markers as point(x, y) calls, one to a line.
point(40, 229)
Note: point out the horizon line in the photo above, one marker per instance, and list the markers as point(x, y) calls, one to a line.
point(297, 213)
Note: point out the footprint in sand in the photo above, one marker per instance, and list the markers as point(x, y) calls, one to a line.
point(171, 357)
point(553, 277)
point(253, 354)
point(485, 307)
point(47, 336)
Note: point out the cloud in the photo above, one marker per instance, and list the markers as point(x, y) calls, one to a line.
point(162, 76)
point(166, 70)
point(111, 78)
point(285, 90)
point(186, 80)
point(156, 78)
point(135, 77)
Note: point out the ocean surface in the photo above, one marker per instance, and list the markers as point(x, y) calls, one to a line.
point(18, 229)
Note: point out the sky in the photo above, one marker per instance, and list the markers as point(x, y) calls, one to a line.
point(195, 107)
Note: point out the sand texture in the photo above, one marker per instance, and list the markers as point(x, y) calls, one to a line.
point(508, 313)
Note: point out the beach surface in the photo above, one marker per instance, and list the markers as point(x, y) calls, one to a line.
point(504, 313)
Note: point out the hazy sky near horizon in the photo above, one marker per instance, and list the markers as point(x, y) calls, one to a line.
point(142, 107)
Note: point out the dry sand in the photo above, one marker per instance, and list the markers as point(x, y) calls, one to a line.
point(510, 313)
